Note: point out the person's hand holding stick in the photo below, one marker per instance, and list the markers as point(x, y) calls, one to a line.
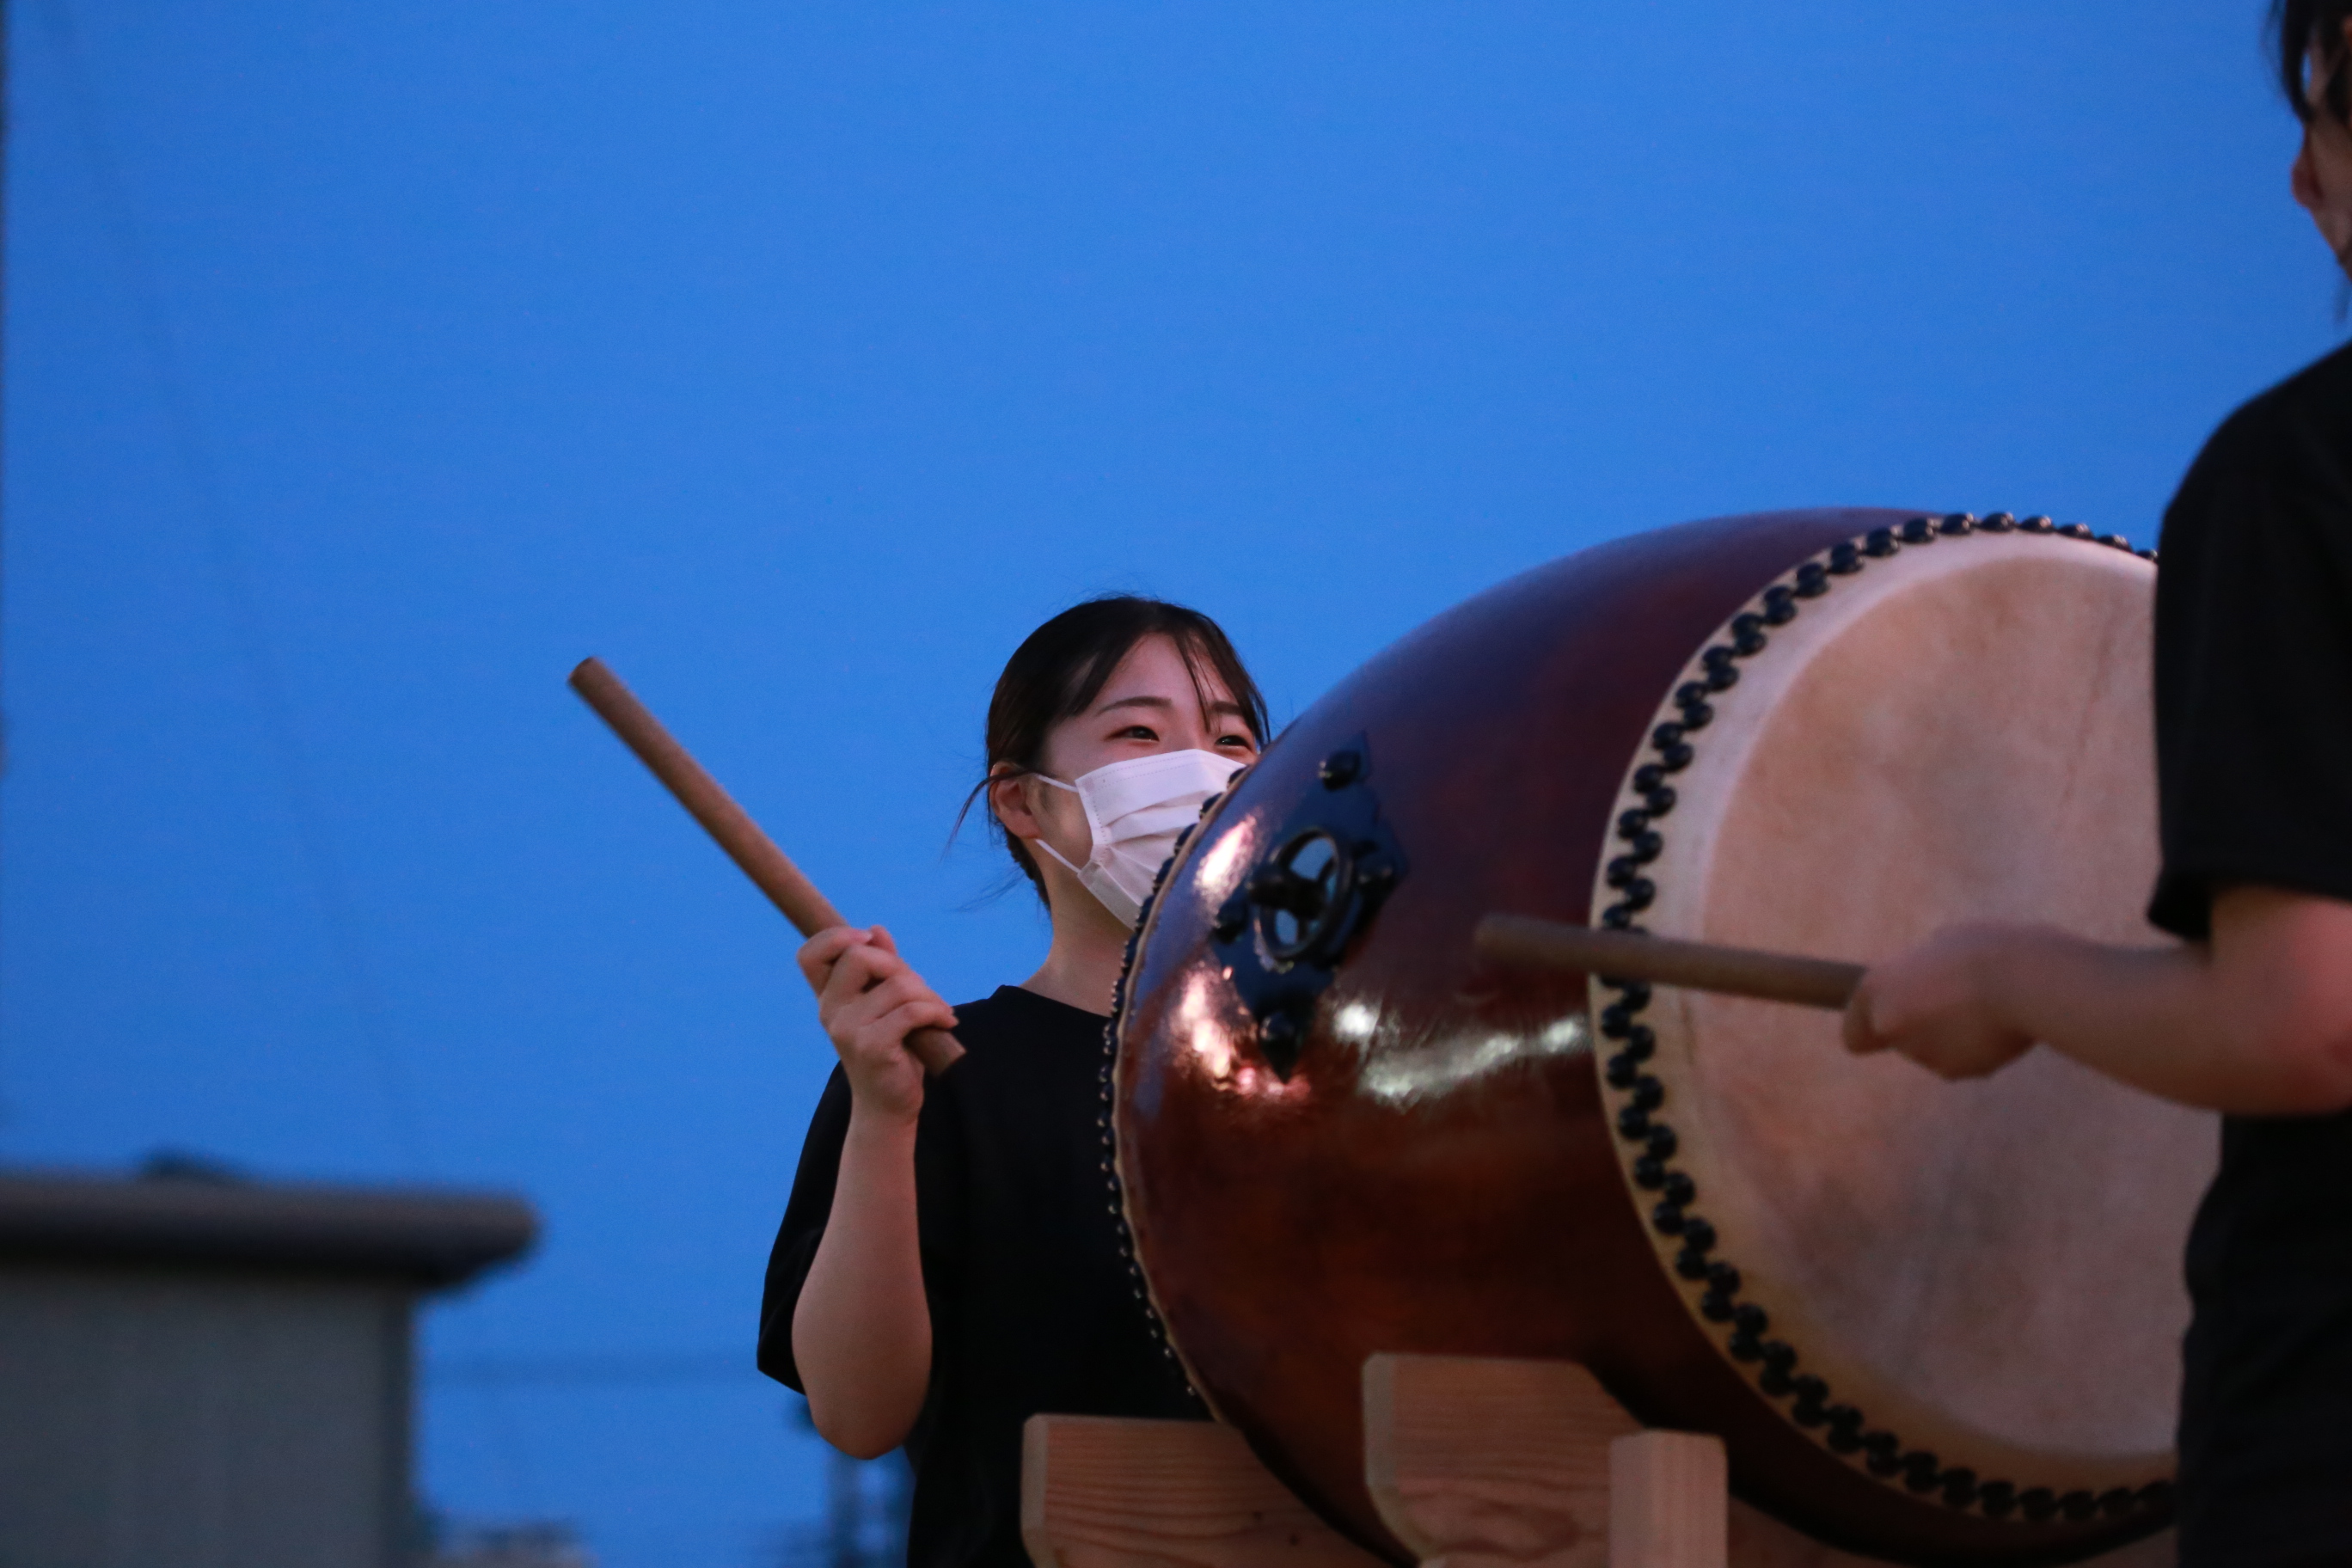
point(771, 870)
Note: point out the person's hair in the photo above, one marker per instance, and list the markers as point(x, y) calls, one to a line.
point(2298, 27)
point(1061, 668)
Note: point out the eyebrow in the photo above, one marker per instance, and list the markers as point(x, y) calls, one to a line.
point(1164, 705)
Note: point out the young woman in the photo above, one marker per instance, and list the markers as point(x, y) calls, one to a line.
point(948, 1265)
point(2251, 1014)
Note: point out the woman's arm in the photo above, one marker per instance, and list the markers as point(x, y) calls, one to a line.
point(862, 1328)
point(2257, 1022)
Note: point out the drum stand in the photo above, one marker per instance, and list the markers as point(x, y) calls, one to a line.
point(1472, 1463)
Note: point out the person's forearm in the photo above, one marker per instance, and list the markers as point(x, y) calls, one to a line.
point(862, 1330)
point(2168, 1020)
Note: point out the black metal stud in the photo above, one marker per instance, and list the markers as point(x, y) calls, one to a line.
point(1955, 525)
point(1844, 560)
point(1779, 605)
point(1812, 580)
point(1879, 544)
point(1919, 531)
point(1995, 522)
point(2037, 523)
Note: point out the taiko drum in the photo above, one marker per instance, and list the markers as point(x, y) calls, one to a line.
point(1933, 1323)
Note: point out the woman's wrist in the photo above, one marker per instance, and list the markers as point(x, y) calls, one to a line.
point(872, 1122)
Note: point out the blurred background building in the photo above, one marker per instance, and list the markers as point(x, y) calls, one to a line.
point(209, 1372)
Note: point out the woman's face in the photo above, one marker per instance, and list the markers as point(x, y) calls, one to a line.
point(1149, 705)
point(2322, 169)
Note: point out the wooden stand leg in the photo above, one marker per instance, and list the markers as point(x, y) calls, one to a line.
point(1669, 1506)
point(1101, 1493)
point(1481, 1463)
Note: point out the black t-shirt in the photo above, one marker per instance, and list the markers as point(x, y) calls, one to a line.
point(1033, 1309)
point(2253, 732)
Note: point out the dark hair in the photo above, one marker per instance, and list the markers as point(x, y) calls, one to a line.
point(2297, 26)
point(1060, 669)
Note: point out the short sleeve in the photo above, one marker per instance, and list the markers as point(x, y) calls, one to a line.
point(2255, 660)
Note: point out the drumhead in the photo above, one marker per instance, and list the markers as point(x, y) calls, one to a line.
point(1965, 1286)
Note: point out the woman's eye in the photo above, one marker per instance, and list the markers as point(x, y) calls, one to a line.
point(1136, 732)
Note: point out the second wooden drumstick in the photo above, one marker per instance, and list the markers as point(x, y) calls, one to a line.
point(1521, 942)
point(770, 869)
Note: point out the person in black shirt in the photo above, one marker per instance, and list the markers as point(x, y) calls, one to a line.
point(2250, 1013)
point(948, 1264)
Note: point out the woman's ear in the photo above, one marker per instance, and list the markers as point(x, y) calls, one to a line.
point(1008, 797)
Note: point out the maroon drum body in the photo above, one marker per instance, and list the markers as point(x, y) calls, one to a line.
point(1337, 1133)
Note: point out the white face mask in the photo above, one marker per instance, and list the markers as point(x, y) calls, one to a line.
point(1135, 809)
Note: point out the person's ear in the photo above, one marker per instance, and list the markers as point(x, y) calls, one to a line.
point(1008, 797)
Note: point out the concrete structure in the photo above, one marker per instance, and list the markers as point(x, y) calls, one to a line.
point(200, 1373)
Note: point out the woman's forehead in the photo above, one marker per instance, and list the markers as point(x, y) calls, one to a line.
point(1156, 673)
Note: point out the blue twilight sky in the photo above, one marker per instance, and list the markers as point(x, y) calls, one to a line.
point(367, 365)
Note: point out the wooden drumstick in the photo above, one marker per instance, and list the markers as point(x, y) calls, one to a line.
point(1522, 943)
point(771, 870)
